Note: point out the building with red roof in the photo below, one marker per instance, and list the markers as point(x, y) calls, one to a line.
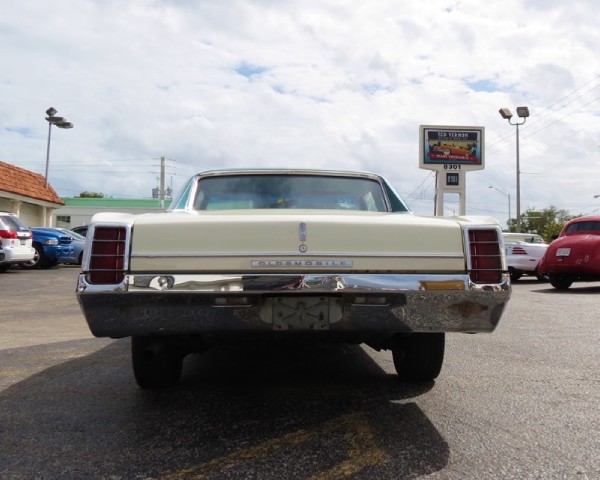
point(26, 194)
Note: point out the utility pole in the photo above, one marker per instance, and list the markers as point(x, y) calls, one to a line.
point(161, 193)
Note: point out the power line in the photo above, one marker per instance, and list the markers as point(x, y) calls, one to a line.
point(534, 120)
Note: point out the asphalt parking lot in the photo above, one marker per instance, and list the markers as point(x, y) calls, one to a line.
point(522, 402)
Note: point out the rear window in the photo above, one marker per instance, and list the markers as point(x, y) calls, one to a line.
point(523, 237)
point(583, 227)
point(234, 192)
point(10, 222)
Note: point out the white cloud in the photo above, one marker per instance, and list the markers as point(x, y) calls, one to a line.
point(334, 84)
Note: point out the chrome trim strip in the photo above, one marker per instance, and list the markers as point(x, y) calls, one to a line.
point(294, 255)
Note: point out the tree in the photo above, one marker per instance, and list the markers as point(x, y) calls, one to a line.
point(87, 194)
point(547, 222)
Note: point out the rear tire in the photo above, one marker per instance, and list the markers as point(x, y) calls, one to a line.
point(39, 259)
point(515, 275)
point(156, 362)
point(540, 277)
point(419, 357)
point(559, 281)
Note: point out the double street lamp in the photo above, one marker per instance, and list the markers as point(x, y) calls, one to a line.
point(59, 122)
point(522, 112)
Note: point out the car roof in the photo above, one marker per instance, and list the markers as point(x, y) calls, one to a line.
point(287, 171)
point(586, 218)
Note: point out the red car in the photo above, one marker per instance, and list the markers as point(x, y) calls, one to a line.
point(575, 254)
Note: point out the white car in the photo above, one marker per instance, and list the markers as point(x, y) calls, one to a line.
point(523, 254)
point(283, 255)
point(15, 241)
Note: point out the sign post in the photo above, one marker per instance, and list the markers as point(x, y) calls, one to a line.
point(451, 151)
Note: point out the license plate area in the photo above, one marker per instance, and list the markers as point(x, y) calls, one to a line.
point(563, 252)
point(301, 313)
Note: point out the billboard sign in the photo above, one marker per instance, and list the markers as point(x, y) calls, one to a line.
point(451, 148)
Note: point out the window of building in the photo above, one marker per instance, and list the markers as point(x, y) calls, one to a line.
point(63, 221)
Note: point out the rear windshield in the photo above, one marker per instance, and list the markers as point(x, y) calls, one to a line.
point(584, 227)
point(509, 237)
point(9, 222)
point(289, 191)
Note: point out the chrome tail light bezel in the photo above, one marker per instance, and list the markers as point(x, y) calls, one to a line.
point(96, 248)
point(477, 251)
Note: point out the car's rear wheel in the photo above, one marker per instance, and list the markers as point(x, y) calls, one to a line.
point(156, 362)
point(419, 357)
point(540, 277)
point(39, 259)
point(515, 275)
point(4, 267)
point(560, 282)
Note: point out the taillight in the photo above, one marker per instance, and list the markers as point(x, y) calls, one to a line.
point(8, 234)
point(485, 255)
point(519, 251)
point(107, 256)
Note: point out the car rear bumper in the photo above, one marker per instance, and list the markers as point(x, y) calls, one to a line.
point(193, 304)
point(19, 254)
point(58, 253)
point(523, 264)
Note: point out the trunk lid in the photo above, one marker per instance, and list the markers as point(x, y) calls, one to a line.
point(573, 251)
point(249, 240)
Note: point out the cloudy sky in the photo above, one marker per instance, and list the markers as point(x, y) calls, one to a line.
point(304, 83)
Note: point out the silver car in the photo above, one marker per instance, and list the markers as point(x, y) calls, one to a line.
point(15, 241)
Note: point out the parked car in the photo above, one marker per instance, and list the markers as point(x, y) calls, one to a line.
point(290, 255)
point(78, 244)
point(51, 246)
point(575, 254)
point(15, 241)
point(81, 230)
point(523, 254)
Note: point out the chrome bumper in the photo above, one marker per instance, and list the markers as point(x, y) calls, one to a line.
point(388, 303)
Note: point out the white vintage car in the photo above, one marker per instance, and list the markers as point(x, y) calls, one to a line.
point(523, 254)
point(290, 255)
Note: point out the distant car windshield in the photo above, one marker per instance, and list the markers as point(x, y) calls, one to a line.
point(231, 192)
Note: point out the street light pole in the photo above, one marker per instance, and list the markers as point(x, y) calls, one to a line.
point(522, 112)
point(60, 122)
point(48, 153)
